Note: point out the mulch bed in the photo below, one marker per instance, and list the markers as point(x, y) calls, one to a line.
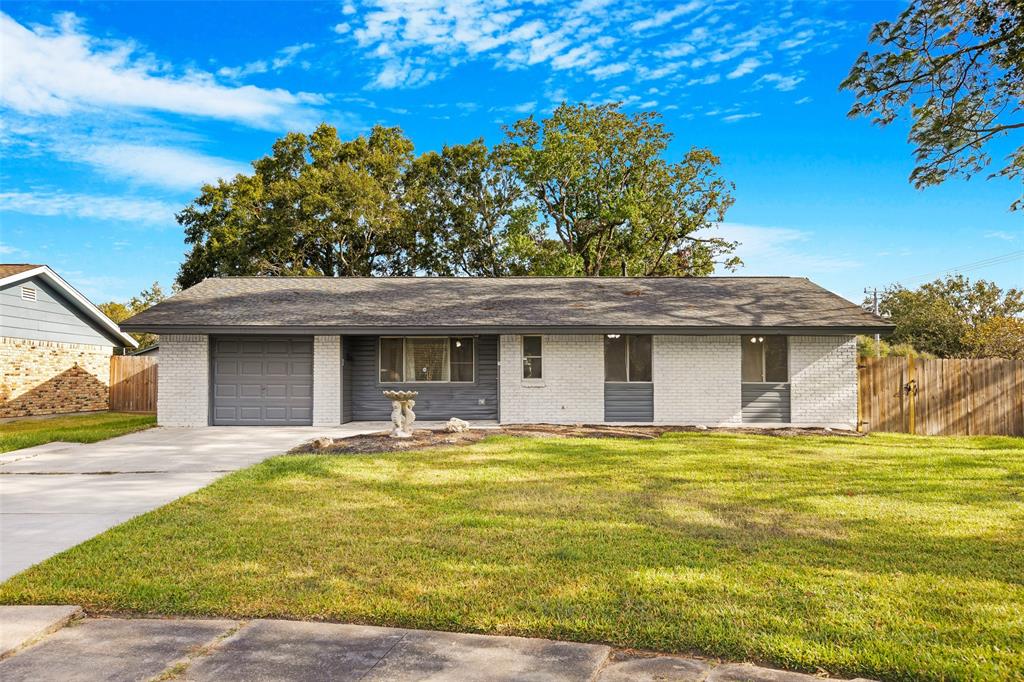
point(432, 438)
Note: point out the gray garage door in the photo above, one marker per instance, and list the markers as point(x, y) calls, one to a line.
point(262, 380)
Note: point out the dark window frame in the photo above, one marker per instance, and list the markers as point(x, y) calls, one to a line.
point(629, 339)
point(540, 356)
point(764, 359)
point(405, 345)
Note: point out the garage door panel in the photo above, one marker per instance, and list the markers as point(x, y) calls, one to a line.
point(250, 390)
point(276, 368)
point(225, 391)
point(277, 391)
point(263, 380)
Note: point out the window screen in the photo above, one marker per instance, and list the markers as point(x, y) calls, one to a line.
point(532, 358)
point(615, 358)
point(462, 354)
point(627, 357)
point(391, 363)
point(765, 359)
point(426, 359)
point(640, 358)
point(776, 360)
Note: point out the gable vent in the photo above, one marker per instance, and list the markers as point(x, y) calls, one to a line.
point(28, 294)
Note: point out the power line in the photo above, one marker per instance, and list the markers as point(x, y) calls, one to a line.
point(968, 267)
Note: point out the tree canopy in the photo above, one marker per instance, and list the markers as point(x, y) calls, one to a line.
point(954, 317)
point(958, 67)
point(587, 191)
point(119, 312)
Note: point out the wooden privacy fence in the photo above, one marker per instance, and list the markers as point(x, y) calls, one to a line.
point(942, 397)
point(133, 383)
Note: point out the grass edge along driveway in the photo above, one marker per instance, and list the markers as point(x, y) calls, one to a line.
point(81, 428)
point(894, 557)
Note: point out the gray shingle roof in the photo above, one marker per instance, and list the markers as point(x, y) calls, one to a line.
point(372, 305)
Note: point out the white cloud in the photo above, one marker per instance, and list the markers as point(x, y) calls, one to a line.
point(781, 82)
point(733, 118)
point(59, 71)
point(525, 108)
point(1001, 234)
point(663, 17)
point(781, 251)
point(127, 209)
point(803, 100)
point(8, 250)
point(609, 70)
point(748, 65)
point(797, 40)
point(169, 167)
point(710, 79)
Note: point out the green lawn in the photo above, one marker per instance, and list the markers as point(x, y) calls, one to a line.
point(86, 428)
point(892, 557)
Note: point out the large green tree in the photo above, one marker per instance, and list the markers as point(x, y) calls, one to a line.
point(940, 317)
point(585, 192)
point(957, 68)
point(317, 205)
point(119, 312)
point(600, 181)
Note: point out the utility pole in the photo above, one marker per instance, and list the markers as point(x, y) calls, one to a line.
point(874, 308)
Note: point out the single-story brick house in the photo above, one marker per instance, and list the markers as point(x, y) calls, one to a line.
point(55, 345)
point(714, 351)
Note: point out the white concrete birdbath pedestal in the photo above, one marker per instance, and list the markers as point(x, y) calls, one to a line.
point(402, 415)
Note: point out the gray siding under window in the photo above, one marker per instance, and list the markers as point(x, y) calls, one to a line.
point(436, 401)
point(629, 402)
point(765, 402)
point(50, 317)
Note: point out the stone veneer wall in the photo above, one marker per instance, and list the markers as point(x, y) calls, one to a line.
point(183, 382)
point(49, 377)
point(572, 390)
point(823, 380)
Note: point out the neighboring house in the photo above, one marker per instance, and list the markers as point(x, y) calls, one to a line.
point(149, 351)
point(718, 350)
point(55, 345)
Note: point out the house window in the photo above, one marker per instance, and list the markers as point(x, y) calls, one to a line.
point(533, 361)
point(765, 359)
point(627, 357)
point(427, 359)
point(28, 294)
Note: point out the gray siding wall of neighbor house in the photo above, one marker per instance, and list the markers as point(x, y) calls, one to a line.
point(436, 401)
point(765, 402)
point(629, 402)
point(50, 317)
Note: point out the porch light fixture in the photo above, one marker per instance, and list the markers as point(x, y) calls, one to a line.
point(458, 344)
point(614, 336)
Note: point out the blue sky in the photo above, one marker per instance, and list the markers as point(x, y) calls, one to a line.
point(114, 114)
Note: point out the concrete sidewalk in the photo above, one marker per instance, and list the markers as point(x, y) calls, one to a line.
point(264, 650)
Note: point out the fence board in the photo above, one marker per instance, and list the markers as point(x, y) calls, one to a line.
point(946, 397)
point(133, 381)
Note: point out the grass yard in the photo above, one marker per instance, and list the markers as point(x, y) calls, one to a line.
point(889, 556)
point(85, 428)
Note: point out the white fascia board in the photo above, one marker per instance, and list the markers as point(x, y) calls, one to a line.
point(80, 301)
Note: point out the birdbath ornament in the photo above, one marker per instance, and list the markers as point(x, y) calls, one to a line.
point(402, 415)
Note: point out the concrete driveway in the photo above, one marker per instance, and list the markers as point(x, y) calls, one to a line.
point(54, 496)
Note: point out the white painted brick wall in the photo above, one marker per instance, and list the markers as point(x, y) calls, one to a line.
point(183, 380)
point(696, 379)
point(326, 380)
point(572, 390)
point(823, 380)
